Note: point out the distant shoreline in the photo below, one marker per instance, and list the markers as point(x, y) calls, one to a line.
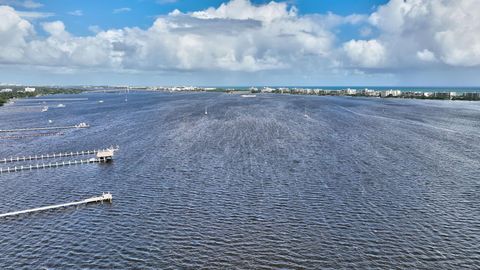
point(366, 92)
point(391, 93)
point(405, 93)
point(8, 94)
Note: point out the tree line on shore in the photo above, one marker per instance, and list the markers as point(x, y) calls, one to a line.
point(18, 92)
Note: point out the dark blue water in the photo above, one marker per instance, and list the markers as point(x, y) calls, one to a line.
point(356, 183)
point(380, 88)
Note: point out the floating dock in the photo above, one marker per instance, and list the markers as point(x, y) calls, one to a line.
point(105, 197)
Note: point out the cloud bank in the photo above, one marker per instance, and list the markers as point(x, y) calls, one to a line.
point(239, 36)
point(417, 32)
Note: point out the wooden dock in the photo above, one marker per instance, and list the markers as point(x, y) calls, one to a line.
point(105, 197)
point(49, 165)
point(104, 155)
point(54, 155)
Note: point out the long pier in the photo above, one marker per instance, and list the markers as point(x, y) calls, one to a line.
point(104, 197)
point(54, 155)
point(102, 155)
point(50, 165)
point(42, 128)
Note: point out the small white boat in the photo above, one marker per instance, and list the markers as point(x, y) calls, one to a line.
point(249, 96)
point(61, 106)
point(82, 125)
point(100, 101)
point(45, 108)
point(50, 121)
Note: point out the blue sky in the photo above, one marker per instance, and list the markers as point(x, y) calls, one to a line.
point(240, 42)
point(142, 13)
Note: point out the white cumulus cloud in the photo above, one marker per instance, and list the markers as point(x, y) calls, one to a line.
point(416, 31)
point(241, 36)
point(13, 33)
point(237, 36)
point(365, 53)
point(243, 10)
point(426, 56)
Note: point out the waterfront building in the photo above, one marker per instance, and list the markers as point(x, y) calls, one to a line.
point(472, 96)
point(267, 90)
point(351, 92)
point(284, 90)
point(442, 95)
point(391, 93)
point(370, 92)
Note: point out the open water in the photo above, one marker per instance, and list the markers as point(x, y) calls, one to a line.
point(272, 182)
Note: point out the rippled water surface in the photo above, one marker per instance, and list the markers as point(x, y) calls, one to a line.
point(269, 182)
